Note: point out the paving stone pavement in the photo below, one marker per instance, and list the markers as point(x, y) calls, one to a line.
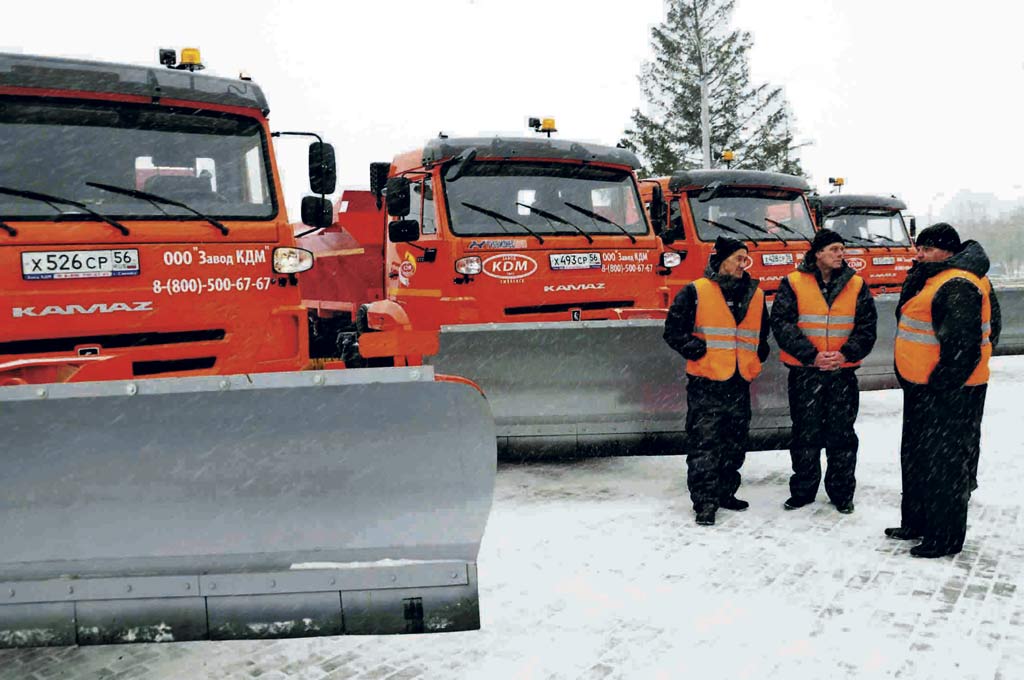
point(595, 569)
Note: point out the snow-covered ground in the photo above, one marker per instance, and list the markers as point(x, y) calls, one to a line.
point(596, 569)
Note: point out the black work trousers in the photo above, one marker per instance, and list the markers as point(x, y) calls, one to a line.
point(941, 429)
point(823, 406)
point(978, 410)
point(717, 424)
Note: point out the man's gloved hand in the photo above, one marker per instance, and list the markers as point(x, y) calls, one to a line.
point(695, 349)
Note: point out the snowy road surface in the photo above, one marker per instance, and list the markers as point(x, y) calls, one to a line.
point(596, 570)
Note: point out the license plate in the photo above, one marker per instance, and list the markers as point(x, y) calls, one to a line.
point(884, 260)
point(79, 264)
point(777, 258)
point(575, 260)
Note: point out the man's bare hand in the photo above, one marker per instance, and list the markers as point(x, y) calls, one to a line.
point(828, 361)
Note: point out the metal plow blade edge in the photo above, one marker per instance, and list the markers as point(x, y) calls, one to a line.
point(275, 505)
point(589, 388)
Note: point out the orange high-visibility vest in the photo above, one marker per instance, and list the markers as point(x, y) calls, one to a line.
point(729, 345)
point(917, 347)
point(828, 328)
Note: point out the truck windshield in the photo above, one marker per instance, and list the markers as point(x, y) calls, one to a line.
point(778, 214)
point(214, 162)
point(882, 226)
point(514, 188)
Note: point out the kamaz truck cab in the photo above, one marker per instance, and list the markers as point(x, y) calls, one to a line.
point(517, 230)
point(142, 226)
point(766, 210)
point(878, 240)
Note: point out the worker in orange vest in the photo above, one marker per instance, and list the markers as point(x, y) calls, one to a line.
point(825, 322)
point(943, 346)
point(719, 323)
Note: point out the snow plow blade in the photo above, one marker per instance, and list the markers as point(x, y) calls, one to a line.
point(270, 505)
point(587, 388)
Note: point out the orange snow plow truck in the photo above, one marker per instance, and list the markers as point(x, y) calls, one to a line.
point(170, 470)
point(535, 260)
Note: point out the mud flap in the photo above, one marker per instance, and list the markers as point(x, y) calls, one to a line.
point(273, 505)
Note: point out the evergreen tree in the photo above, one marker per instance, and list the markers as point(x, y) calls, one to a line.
point(753, 121)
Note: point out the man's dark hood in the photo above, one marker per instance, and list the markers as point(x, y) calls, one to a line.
point(971, 258)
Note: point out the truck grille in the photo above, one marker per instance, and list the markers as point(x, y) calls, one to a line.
point(566, 306)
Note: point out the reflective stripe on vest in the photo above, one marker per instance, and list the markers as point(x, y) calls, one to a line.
point(729, 345)
point(827, 328)
point(918, 348)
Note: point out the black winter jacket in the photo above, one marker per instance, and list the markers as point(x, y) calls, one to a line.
point(956, 314)
point(785, 315)
point(682, 315)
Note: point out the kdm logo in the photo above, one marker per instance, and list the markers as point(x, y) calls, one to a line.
point(509, 266)
point(97, 308)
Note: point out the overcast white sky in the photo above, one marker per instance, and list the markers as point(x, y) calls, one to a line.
point(914, 97)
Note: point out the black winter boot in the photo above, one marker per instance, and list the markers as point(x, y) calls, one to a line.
point(706, 515)
point(733, 503)
point(902, 533)
point(929, 549)
point(793, 503)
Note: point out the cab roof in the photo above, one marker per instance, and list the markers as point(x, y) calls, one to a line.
point(835, 201)
point(682, 179)
point(52, 73)
point(439, 149)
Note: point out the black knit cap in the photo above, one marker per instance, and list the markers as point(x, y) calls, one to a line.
point(724, 247)
point(824, 238)
point(940, 235)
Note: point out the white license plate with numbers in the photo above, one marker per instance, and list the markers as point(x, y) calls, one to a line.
point(777, 258)
point(79, 264)
point(575, 260)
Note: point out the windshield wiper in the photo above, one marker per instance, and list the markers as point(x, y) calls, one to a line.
point(886, 238)
point(153, 198)
point(761, 229)
point(498, 216)
point(8, 228)
point(862, 241)
point(728, 228)
point(552, 217)
point(50, 200)
point(788, 228)
point(600, 218)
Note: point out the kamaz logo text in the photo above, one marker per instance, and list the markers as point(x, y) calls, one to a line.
point(573, 287)
point(97, 308)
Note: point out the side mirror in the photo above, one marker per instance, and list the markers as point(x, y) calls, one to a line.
point(398, 196)
point(379, 179)
point(323, 173)
point(459, 165)
point(317, 212)
point(658, 209)
point(403, 231)
point(913, 227)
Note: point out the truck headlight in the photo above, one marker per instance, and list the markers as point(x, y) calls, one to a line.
point(670, 259)
point(468, 265)
point(292, 260)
